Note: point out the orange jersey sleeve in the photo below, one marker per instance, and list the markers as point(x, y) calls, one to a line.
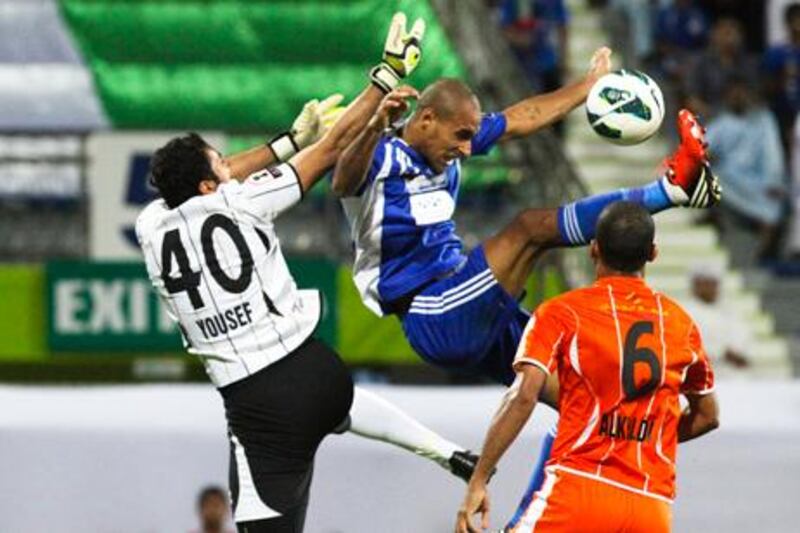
point(699, 377)
point(548, 329)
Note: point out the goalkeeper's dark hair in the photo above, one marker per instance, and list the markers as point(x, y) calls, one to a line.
point(625, 234)
point(444, 97)
point(178, 167)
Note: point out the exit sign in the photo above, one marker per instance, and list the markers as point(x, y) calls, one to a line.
point(106, 306)
point(112, 307)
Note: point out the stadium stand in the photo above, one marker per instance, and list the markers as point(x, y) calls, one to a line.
point(46, 99)
point(41, 188)
point(44, 85)
point(681, 241)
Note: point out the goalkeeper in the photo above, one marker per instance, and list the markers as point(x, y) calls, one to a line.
point(283, 390)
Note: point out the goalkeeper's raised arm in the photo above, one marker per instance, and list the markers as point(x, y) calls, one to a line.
point(314, 120)
point(322, 129)
point(401, 55)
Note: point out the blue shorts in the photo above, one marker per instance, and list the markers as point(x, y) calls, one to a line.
point(467, 321)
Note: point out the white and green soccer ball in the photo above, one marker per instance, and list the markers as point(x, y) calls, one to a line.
point(625, 107)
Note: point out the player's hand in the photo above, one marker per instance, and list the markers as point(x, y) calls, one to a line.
point(315, 120)
point(402, 49)
point(600, 64)
point(401, 53)
point(393, 106)
point(476, 501)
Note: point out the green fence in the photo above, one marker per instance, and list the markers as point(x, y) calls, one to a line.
point(106, 307)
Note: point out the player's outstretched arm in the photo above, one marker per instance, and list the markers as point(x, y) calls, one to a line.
point(353, 165)
point(514, 411)
point(314, 120)
point(536, 112)
point(312, 162)
point(401, 55)
point(699, 417)
point(245, 163)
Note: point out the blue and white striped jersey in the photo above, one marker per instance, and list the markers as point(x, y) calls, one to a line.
point(402, 218)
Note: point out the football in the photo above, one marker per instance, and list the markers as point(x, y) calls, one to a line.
point(625, 107)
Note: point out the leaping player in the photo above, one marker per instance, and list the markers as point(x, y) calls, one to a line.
point(624, 353)
point(399, 188)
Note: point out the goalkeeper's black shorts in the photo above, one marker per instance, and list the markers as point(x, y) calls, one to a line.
point(276, 420)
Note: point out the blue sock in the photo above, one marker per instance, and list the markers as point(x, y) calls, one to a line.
point(577, 220)
point(537, 478)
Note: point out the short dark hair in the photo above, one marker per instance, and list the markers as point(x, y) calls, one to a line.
point(625, 233)
point(791, 11)
point(445, 97)
point(210, 491)
point(178, 167)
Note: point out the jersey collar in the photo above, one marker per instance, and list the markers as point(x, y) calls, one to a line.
point(620, 282)
point(416, 158)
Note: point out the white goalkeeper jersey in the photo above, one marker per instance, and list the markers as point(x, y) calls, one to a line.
point(217, 264)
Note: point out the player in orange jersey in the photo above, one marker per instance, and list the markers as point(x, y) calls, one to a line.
point(624, 353)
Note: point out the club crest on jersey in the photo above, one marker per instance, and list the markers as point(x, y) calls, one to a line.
point(273, 172)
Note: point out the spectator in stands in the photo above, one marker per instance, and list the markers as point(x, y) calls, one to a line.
point(782, 74)
point(793, 240)
point(681, 30)
point(537, 31)
point(725, 336)
point(213, 511)
point(724, 58)
point(747, 155)
point(749, 14)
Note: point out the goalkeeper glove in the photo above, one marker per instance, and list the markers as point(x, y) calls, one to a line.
point(401, 53)
point(314, 120)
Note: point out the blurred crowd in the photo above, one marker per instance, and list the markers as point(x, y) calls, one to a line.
point(734, 62)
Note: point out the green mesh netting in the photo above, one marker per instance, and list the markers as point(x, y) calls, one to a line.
point(238, 64)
